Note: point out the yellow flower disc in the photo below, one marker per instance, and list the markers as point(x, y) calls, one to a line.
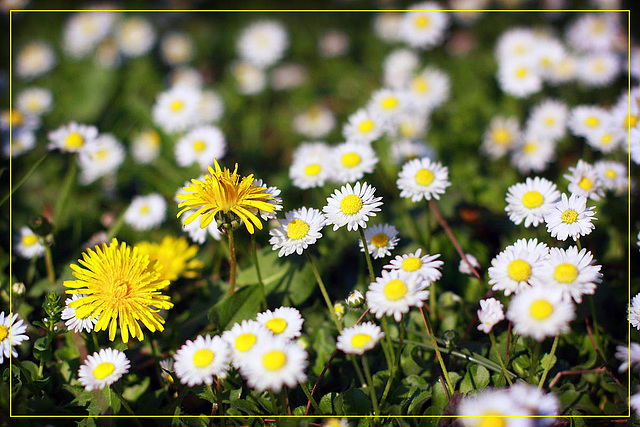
point(274, 360)
point(351, 204)
point(359, 340)
point(199, 146)
point(390, 103)
point(411, 264)
point(74, 141)
point(532, 199)
point(569, 216)
point(350, 160)
point(565, 273)
point(4, 333)
point(424, 177)
point(366, 126)
point(395, 289)
point(277, 325)
point(492, 419)
point(519, 270)
point(380, 240)
point(103, 370)
point(244, 342)
point(297, 229)
point(540, 309)
point(29, 239)
point(203, 357)
point(313, 169)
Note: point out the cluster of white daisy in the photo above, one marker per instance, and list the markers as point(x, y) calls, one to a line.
point(31, 104)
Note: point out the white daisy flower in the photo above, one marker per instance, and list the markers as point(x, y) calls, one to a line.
point(427, 267)
point(350, 161)
point(310, 166)
point(536, 401)
point(196, 234)
point(145, 148)
point(201, 145)
point(72, 137)
point(34, 60)
point(185, 75)
point(628, 356)
point(22, 141)
point(634, 67)
point(634, 312)
point(634, 402)
point(135, 36)
point(288, 76)
point(275, 363)
point(339, 309)
point(363, 126)
point(336, 422)
point(210, 108)
point(563, 71)
point(572, 272)
point(250, 79)
point(285, 322)
point(424, 25)
point(548, 53)
point(516, 43)
point(584, 181)
point(570, 218)
point(299, 229)
point(263, 43)
point(404, 150)
point(102, 156)
point(492, 406)
point(606, 139)
point(409, 127)
point(83, 31)
point(12, 334)
point(176, 109)
point(176, 48)
point(429, 89)
point(381, 240)
point(540, 312)
point(598, 69)
point(333, 43)
point(518, 266)
point(465, 268)
point(389, 104)
point(75, 323)
point(352, 206)
point(490, 313)
point(531, 201)
point(548, 119)
point(422, 178)
point(359, 338)
point(398, 67)
point(593, 32)
point(243, 337)
point(29, 245)
point(103, 368)
point(35, 100)
point(386, 26)
point(588, 119)
point(613, 175)
point(500, 136)
point(198, 361)
point(146, 212)
point(533, 153)
point(316, 122)
point(519, 78)
point(355, 299)
point(276, 201)
point(394, 293)
point(634, 145)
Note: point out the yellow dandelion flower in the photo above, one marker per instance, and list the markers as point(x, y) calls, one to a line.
point(120, 284)
point(174, 255)
point(225, 191)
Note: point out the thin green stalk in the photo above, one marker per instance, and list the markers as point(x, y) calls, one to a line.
point(257, 264)
point(359, 374)
point(367, 255)
point(219, 400)
point(372, 390)
point(126, 406)
point(327, 300)
point(396, 365)
point(306, 391)
point(116, 226)
point(494, 346)
point(66, 189)
point(31, 271)
point(48, 259)
point(275, 403)
point(578, 244)
point(388, 353)
point(181, 394)
point(596, 337)
point(94, 337)
point(154, 354)
point(23, 179)
point(535, 360)
point(438, 355)
point(546, 368)
point(232, 263)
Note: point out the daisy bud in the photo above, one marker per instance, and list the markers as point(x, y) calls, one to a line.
point(355, 299)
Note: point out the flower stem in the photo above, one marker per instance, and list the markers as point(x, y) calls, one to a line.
point(323, 290)
point(372, 390)
point(494, 346)
point(116, 226)
point(260, 282)
point(232, 262)
point(578, 244)
point(367, 255)
point(66, 189)
point(154, 353)
point(48, 259)
point(306, 391)
point(126, 406)
point(438, 355)
point(396, 366)
point(388, 353)
point(546, 368)
point(23, 179)
point(535, 360)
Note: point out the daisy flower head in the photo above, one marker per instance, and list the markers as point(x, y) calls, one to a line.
point(29, 245)
point(398, 66)
point(518, 266)
point(146, 212)
point(211, 107)
point(613, 175)
point(519, 78)
point(359, 338)
point(250, 79)
point(389, 104)
point(404, 150)
point(198, 361)
point(381, 239)
point(593, 32)
point(386, 26)
point(333, 43)
point(490, 313)
point(422, 178)
point(34, 100)
point(174, 255)
point(588, 119)
point(500, 136)
point(540, 312)
point(491, 407)
point(424, 25)
point(101, 157)
point(563, 71)
point(548, 52)
point(299, 229)
point(532, 153)
point(103, 368)
point(335, 422)
point(275, 363)
point(584, 181)
point(84, 31)
point(288, 76)
point(628, 356)
point(427, 267)
point(363, 126)
point(228, 193)
point(243, 337)
point(176, 109)
point(429, 89)
point(135, 36)
point(12, 334)
point(409, 127)
point(310, 166)
point(351, 160)
point(531, 201)
point(263, 43)
point(176, 48)
point(606, 139)
point(72, 321)
point(598, 69)
point(516, 43)
point(201, 145)
point(573, 272)
point(145, 147)
point(185, 75)
point(634, 312)
point(285, 322)
point(536, 401)
point(34, 60)
point(22, 141)
point(352, 206)
point(355, 299)
point(634, 402)
point(394, 293)
point(72, 137)
point(465, 268)
point(121, 285)
point(276, 201)
point(316, 122)
point(570, 218)
point(548, 119)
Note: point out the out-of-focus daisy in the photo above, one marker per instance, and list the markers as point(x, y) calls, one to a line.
point(409, 127)
point(491, 406)
point(355, 299)
point(174, 255)
point(72, 321)
point(351, 160)
point(537, 402)
point(563, 71)
point(176, 109)
point(29, 245)
point(299, 229)
point(532, 153)
point(352, 206)
point(381, 239)
point(540, 312)
point(263, 43)
point(12, 334)
point(588, 119)
point(613, 175)
point(429, 88)
point(593, 31)
point(21, 142)
point(424, 25)
point(398, 67)
point(103, 368)
point(531, 201)
point(628, 356)
point(167, 368)
point(359, 338)
point(572, 272)
point(176, 48)
point(102, 156)
point(519, 78)
point(72, 137)
point(386, 26)
point(275, 201)
point(634, 312)
point(516, 43)
point(339, 309)
point(518, 266)
point(363, 126)
point(285, 322)
point(465, 268)
point(310, 166)
point(500, 136)
point(146, 212)
point(606, 139)
point(185, 75)
point(335, 422)
point(135, 36)
point(570, 218)
point(422, 178)
point(333, 43)
point(288, 76)
point(490, 313)
point(198, 361)
point(548, 119)
point(634, 402)
point(83, 31)
point(145, 147)
point(34, 60)
point(316, 122)
point(34, 100)
point(598, 69)
point(404, 150)
point(584, 181)
point(389, 103)
point(242, 337)
point(201, 145)
point(250, 79)
point(196, 234)
point(210, 108)
point(548, 52)
point(394, 293)
point(275, 363)
point(427, 267)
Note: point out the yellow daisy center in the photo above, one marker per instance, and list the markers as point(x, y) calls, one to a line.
point(144, 210)
point(395, 289)
point(203, 357)
point(350, 160)
point(492, 419)
point(359, 340)
point(610, 173)
point(389, 103)
point(29, 239)
point(33, 104)
point(176, 106)
point(152, 138)
point(540, 309)
point(529, 148)
point(100, 155)
point(569, 216)
point(332, 423)
point(631, 121)
point(420, 84)
point(549, 121)
point(366, 126)
point(103, 370)
point(4, 332)
point(380, 240)
point(565, 273)
point(501, 136)
point(274, 360)
point(532, 199)
point(74, 140)
point(585, 183)
point(245, 341)
point(277, 325)
point(592, 122)
point(16, 118)
point(421, 21)
point(424, 177)
point(313, 169)
point(199, 146)
point(351, 204)
point(411, 264)
point(521, 72)
point(606, 139)
point(297, 229)
point(519, 270)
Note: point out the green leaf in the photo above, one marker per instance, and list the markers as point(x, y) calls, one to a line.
point(480, 376)
point(329, 404)
point(243, 304)
point(132, 393)
point(416, 404)
point(42, 349)
point(355, 402)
